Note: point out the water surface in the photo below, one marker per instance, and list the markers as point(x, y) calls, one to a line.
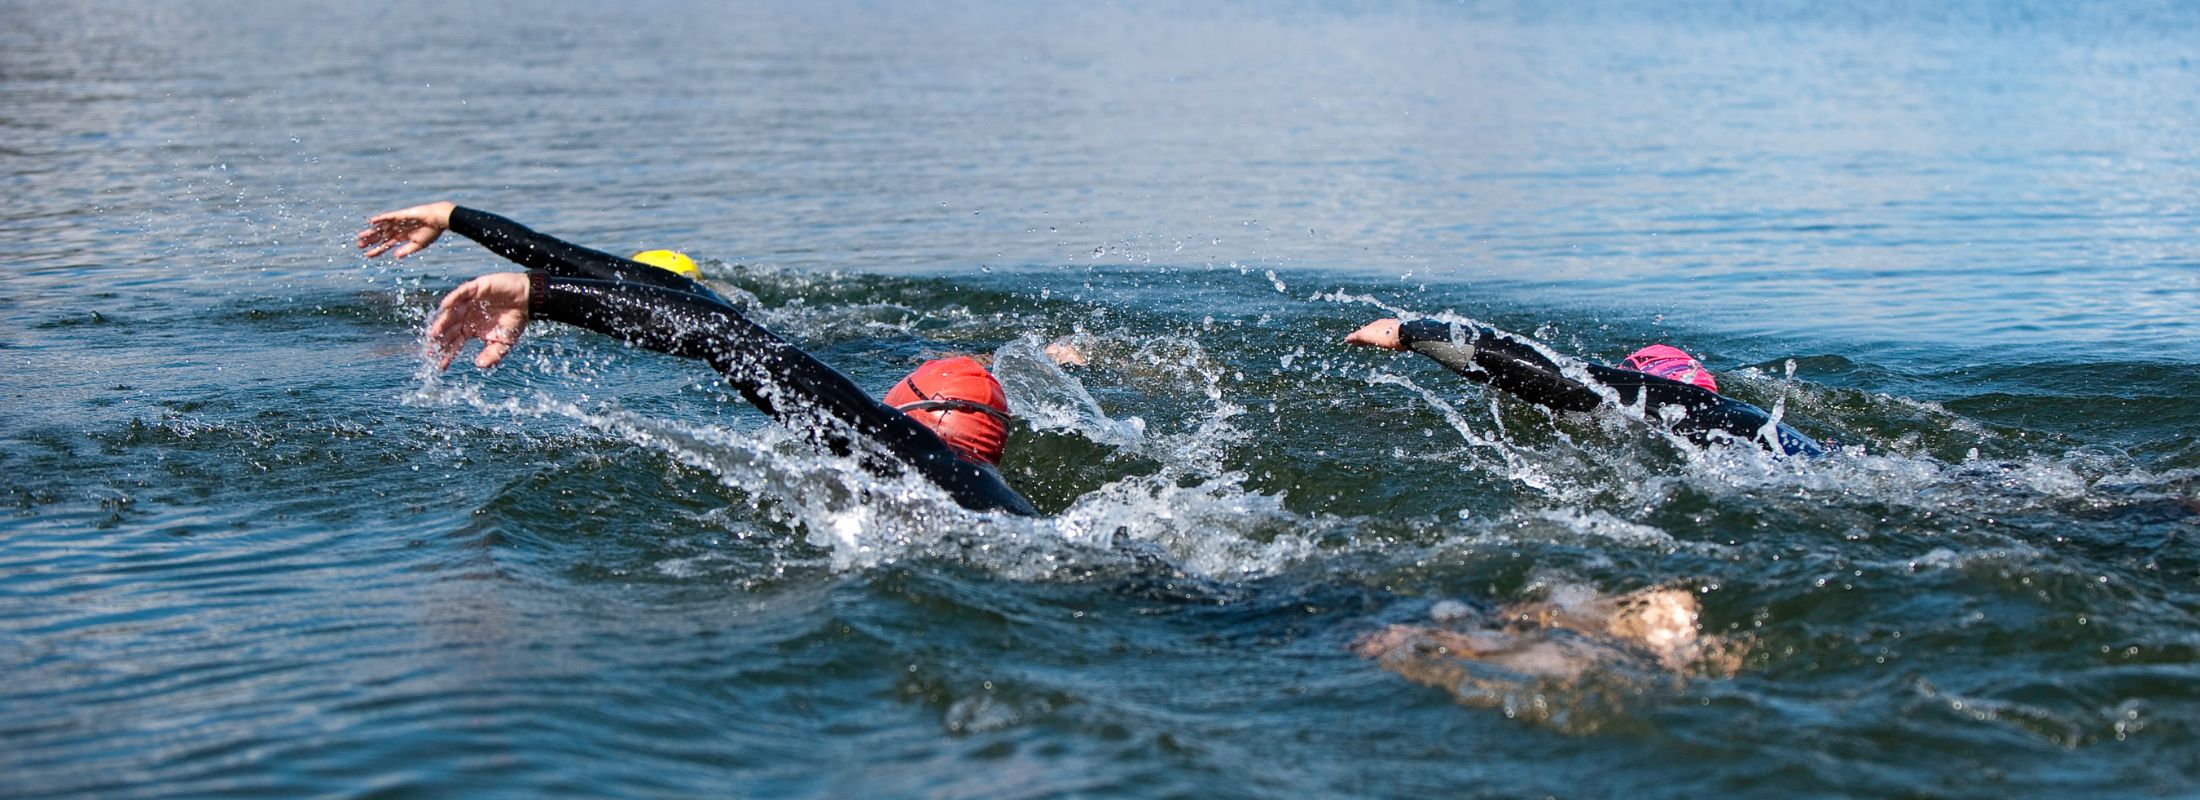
point(255, 549)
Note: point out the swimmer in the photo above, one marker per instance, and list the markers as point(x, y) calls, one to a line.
point(947, 421)
point(1556, 643)
point(1670, 385)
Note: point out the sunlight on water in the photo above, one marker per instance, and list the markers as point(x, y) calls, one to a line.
point(246, 519)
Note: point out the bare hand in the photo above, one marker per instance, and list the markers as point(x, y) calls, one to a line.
point(410, 230)
point(492, 308)
point(1065, 354)
point(1381, 333)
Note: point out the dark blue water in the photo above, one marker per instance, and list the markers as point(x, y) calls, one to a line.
point(253, 547)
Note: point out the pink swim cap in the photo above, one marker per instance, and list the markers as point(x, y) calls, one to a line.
point(1669, 362)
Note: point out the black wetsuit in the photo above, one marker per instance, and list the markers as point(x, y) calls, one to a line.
point(1510, 363)
point(656, 309)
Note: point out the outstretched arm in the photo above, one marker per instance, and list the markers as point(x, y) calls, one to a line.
point(411, 230)
point(1485, 355)
point(496, 308)
point(780, 379)
point(1515, 365)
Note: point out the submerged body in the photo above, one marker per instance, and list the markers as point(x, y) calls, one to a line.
point(1514, 365)
point(1631, 640)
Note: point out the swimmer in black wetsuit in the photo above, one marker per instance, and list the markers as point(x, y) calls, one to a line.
point(948, 421)
point(1668, 384)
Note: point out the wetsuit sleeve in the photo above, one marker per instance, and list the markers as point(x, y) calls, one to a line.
point(1497, 358)
point(524, 246)
point(1514, 365)
point(780, 379)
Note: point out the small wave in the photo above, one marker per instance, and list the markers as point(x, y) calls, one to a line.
point(1191, 515)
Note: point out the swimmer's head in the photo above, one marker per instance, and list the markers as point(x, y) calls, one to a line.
point(1669, 362)
point(961, 402)
point(672, 261)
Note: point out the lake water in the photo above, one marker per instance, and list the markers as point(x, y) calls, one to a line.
point(253, 548)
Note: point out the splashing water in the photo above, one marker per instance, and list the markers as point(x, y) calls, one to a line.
point(1960, 238)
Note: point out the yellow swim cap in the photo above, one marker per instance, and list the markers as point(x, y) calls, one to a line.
point(672, 261)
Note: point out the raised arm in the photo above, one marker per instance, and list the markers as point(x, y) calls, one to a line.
point(410, 230)
point(780, 379)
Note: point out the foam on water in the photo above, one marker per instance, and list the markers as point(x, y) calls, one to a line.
point(1193, 513)
point(1966, 224)
point(1050, 399)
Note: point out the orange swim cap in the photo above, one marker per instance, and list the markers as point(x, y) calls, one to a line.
point(961, 402)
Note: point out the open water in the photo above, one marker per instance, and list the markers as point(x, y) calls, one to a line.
point(252, 548)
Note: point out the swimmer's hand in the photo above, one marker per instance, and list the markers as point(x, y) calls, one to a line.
point(1065, 354)
point(1381, 333)
point(410, 230)
point(492, 308)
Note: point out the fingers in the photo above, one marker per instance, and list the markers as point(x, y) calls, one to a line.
point(460, 296)
point(380, 237)
point(447, 332)
point(437, 213)
point(409, 230)
point(1381, 333)
point(479, 309)
point(444, 328)
point(491, 308)
point(492, 351)
point(437, 344)
point(410, 214)
point(445, 336)
point(447, 340)
point(375, 240)
point(417, 240)
point(496, 343)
